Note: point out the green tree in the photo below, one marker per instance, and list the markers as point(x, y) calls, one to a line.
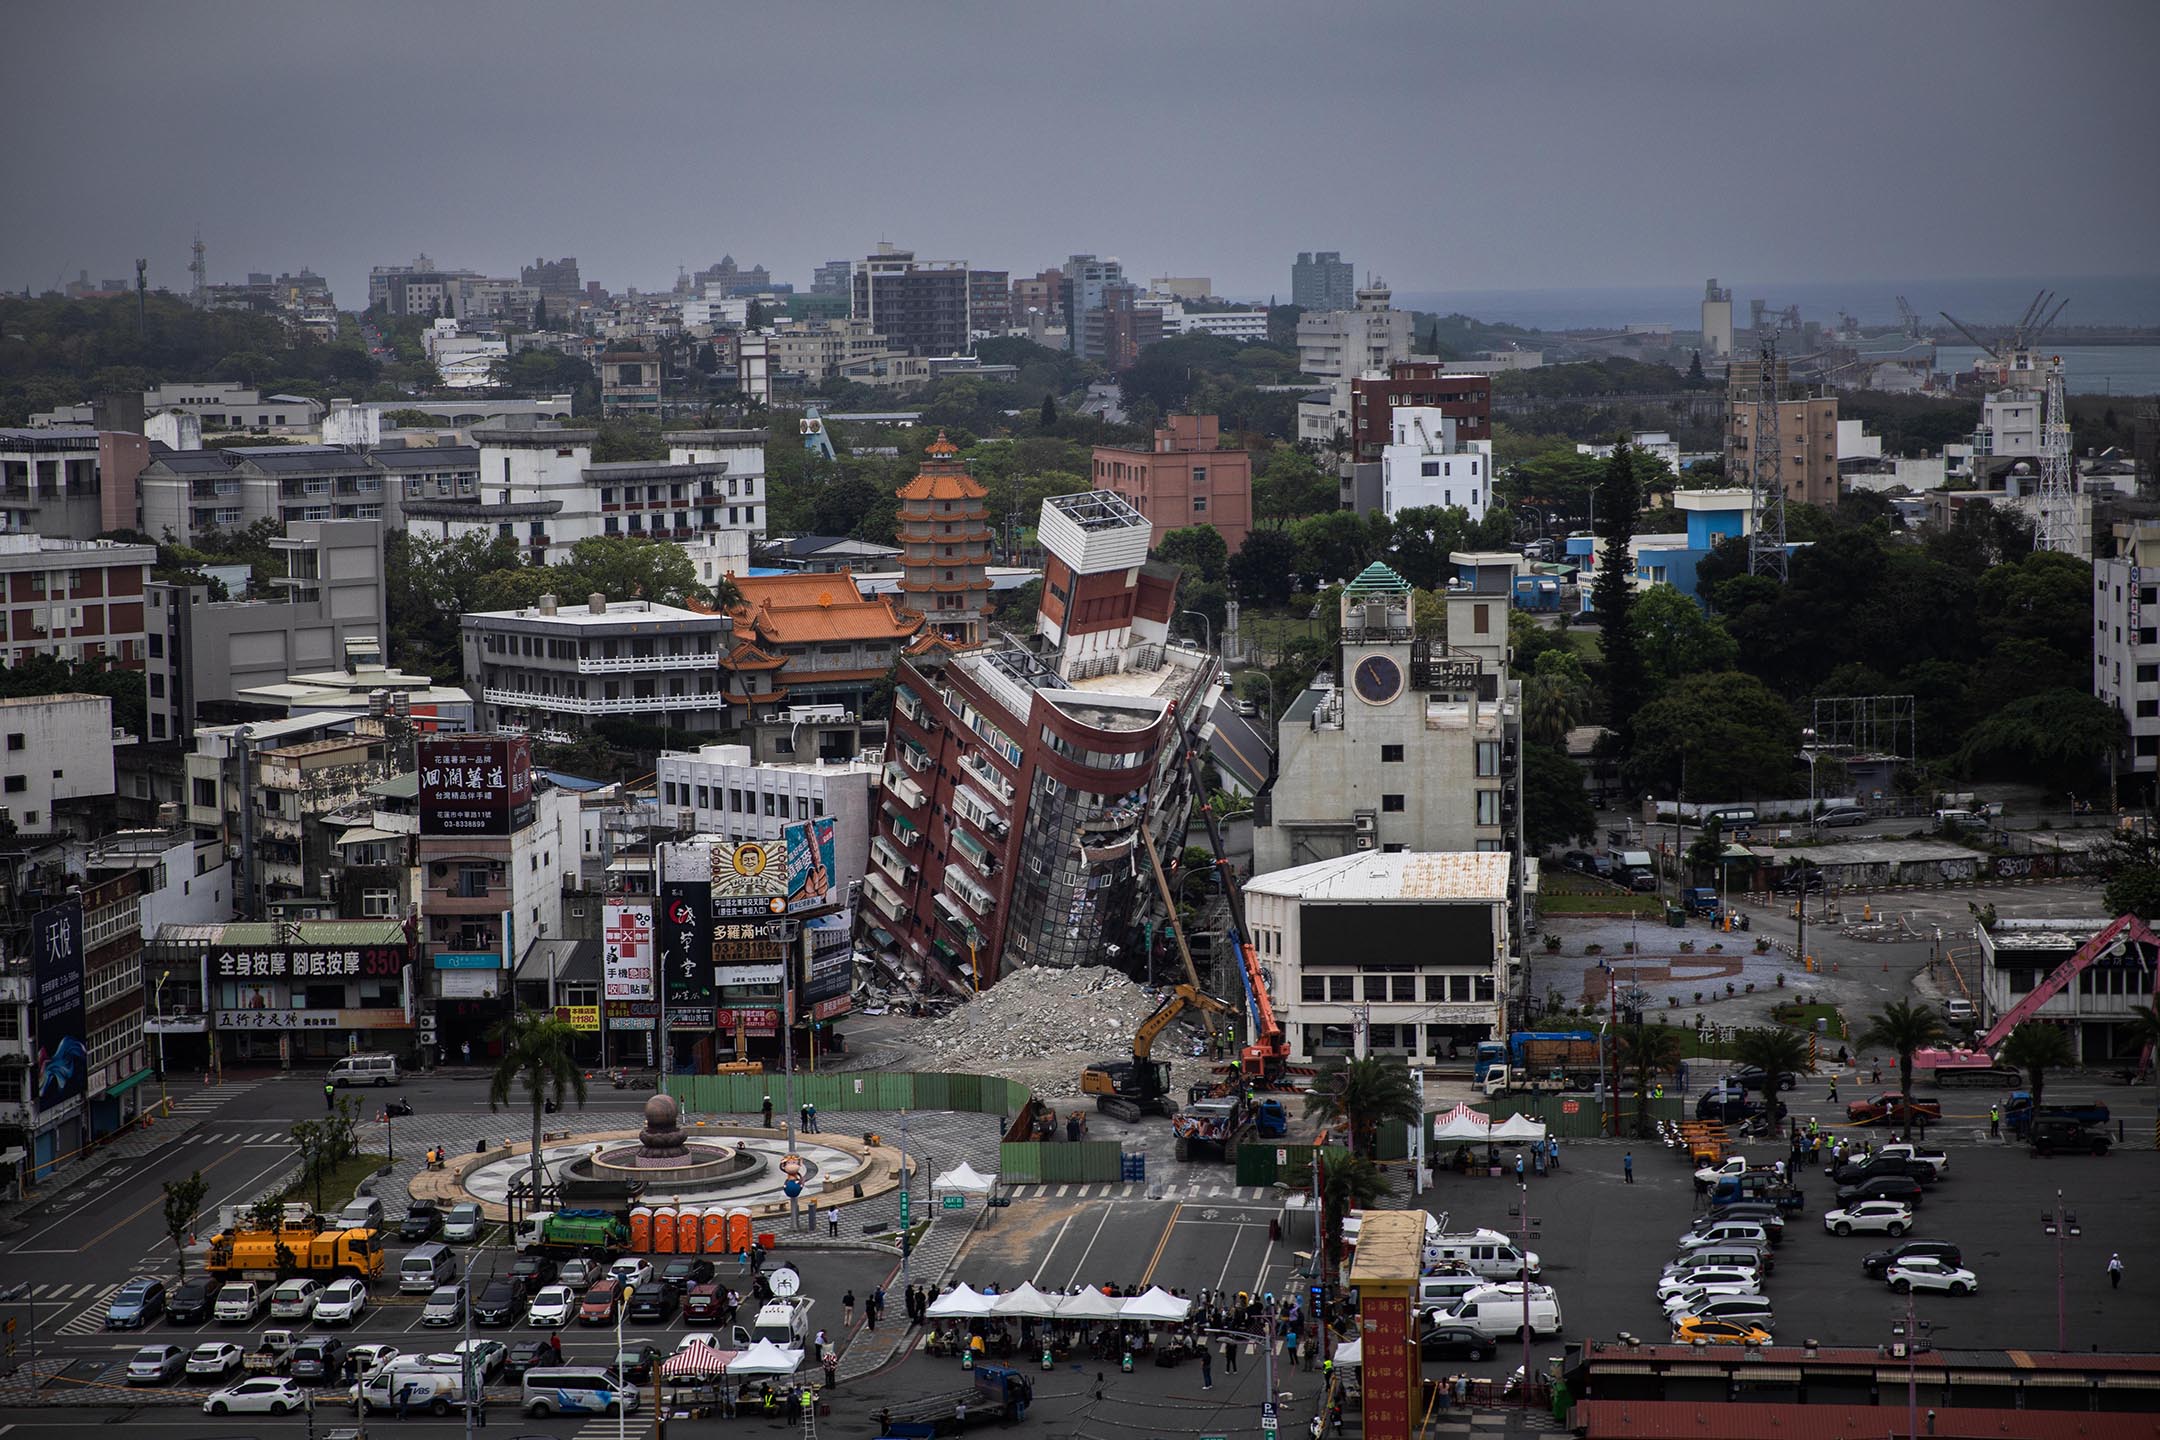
point(1199, 549)
point(2036, 1047)
point(2063, 737)
point(1677, 638)
point(1048, 417)
point(2129, 864)
point(1557, 808)
point(1902, 1028)
point(539, 1053)
point(1264, 570)
point(1736, 738)
point(1777, 1052)
point(1554, 704)
point(1695, 377)
point(1291, 486)
point(1333, 547)
point(326, 1142)
point(183, 1202)
point(1360, 1095)
point(540, 315)
point(1707, 854)
point(1646, 1052)
point(1613, 598)
point(1347, 1182)
point(1420, 541)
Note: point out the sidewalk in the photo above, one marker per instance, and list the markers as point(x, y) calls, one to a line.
point(146, 1134)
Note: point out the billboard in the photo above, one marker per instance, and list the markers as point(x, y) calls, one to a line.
point(682, 932)
point(63, 1058)
point(310, 962)
point(628, 940)
point(809, 864)
point(832, 960)
point(748, 879)
point(475, 784)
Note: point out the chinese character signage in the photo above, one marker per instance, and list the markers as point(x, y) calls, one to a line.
point(748, 879)
point(579, 1017)
point(63, 1058)
point(683, 936)
point(628, 941)
point(475, 784)
point(1391, 1370)
point(810, 864)
point(306, 962)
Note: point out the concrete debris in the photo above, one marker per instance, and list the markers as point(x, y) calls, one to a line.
point(1040, 1025)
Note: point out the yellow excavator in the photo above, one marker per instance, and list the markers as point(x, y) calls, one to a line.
point(1128, 1089)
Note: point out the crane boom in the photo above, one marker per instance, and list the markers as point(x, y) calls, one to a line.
point(2124, 928)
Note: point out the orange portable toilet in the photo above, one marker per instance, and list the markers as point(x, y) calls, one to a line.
point(640, 1228)
point(663, 1230)
point(738, 1230)
point(686, 1230)
point(715, 1230)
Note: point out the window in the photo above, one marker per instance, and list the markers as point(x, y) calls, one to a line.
point(1430, 467)
point(1199, 477)
point(1481, 619)
point(1199, 504)
point(1488, 807)
point(1311, 988)
point(1391, 802)
point(205, 794)
point(16, 784)
point(379, 904)
point(1488, 757)
point(2148, 674)
point(1391, 754)
point(1342, 987)
point(15, 740)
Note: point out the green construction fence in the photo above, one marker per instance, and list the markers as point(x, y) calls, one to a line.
point(833, 1094)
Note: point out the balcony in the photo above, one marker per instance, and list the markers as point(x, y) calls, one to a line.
point(987, 776)
point(898, 784)
point(891, 861)
point(971, 894)
point(884, 897)
point(624, 664)
point(623, 705)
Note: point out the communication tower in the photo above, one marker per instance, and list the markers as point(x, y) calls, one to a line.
point(2055, 524)
point(199, 274)
point(1766, 471)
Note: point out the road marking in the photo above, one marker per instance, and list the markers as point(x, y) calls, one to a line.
point(1054, 1243)
point(1078, 1265)
point(1229, 1255)
point(1161, 1245)
point(1129, 1188)
point(1061, 1190)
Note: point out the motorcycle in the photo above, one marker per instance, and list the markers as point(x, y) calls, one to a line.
point(397, 1109)
point(628, 1080)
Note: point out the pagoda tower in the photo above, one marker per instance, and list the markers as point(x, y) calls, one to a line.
point(944, 529)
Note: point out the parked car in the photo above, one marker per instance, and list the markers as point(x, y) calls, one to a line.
point(1859, 1170)
point(2050, 1134)
point(214, 1358)
point(422, 1221)
point(340, 1302)
point(294, 1299)
point(527, 1355)
point(319, 1360)
point(264, 1395)
point(464, 1222)
point(1876, 1262)
point(370, 1358)
point(1740, 1309)
point(1890, 1107)
point(636, 1360)
point(1881, 1187)
point(501, 1303)
point(1801, 878)
point(1926, 1272)
point(1699, 1331)
point(1837, 816)
point(135, 1305)
point(706, 1303)
point(445, 1306)
point(1766, 1216)
point(685, 1271)
point(1583, 862)
point(155, 1364)
point(1642, 880)
point(190, 1301)
point(535, 1270)
point(487, 1357)
point(653, 1305)
point(1691, 1300)
point(1936, 1159)
point(1709, 1277)
point(598, 1306)
point(579, 1271)
point(1449, 1341)
point(632, 1270)
point(552, 1307)
point(1888, 1217)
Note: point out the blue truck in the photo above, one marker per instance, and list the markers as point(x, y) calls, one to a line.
point(1539, 1060)
point(2018, 1113)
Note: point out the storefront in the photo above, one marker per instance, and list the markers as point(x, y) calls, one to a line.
point(471, 1003)
point(300, 995)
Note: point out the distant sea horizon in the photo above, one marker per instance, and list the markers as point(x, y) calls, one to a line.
point(2100, 300)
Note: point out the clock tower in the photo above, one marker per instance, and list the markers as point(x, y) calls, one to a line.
point(1377, 634)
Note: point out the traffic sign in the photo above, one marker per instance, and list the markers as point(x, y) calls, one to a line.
point(1267, 1410)
point(903, 1209)
point(956, 1202)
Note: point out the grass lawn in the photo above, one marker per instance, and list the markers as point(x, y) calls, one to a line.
point(1803, 1017)
point(338, 1183)
point(1604, 903)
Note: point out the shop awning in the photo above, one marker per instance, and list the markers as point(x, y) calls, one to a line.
point(901, 823)
point(120, 1087)
point(945, 947)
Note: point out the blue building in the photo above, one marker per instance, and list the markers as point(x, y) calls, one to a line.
point(1665, 559)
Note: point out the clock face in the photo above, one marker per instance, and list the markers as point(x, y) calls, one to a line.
point(1377, 679)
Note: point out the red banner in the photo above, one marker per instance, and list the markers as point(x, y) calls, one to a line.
point(1391, 1369)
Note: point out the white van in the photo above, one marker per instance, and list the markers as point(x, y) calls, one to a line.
point(1497, 1310)
point(1440, 1292)
point(575, 1389)
point(365, 1070)
point(784, 1322)
point(431, 1390)
point(425, 1267)
point(239, 1302)
point(1482, 1252)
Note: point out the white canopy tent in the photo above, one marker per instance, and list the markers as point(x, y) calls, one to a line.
point(1089, 1304)
point(1519, 1127)
point(962, 1302)
point(1350, 1352)
point(766, 1358)
point(964, 1177)
point(1463, 1123)
point(1026, 1301)
point(1156, 1304)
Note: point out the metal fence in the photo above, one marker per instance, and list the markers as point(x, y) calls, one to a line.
point(926, 1090)
point(1053, 1162)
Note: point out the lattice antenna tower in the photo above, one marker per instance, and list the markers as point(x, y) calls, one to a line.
point(199, 273)
point(2055, 522)
point(1766, 473)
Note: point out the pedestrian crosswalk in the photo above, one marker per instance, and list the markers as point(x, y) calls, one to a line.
point(236, 1137)
point(1139, 1190)
point(211, 1098)
point(92, 1318)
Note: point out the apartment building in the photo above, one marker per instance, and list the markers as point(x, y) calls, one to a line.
point(1340, 344)
point(1185, 478)
point(920, 307)
point(56, 761)
point(1427, 464)
point(553, 670)
point(1019, 778)
point(2126, 640)
point(1807, 422)
point(74, 599)
point(50, 483)
point(1420, 384)
point(1322, 281)
point(815, 353)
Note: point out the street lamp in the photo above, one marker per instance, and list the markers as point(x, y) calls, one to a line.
point(1266, 1342)
point(1207, 629)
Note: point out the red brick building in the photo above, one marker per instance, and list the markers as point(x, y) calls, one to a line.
point(1187, 479)
point(1465, 398)
point(74, 599)
point(944, 532)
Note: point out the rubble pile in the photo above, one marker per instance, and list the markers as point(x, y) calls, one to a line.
point(1040, 1025)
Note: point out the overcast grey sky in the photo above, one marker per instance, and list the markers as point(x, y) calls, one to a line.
point(1445, 145)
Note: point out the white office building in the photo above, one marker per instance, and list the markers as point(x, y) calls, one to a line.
point(721, 790)
point(57, 748)
point(1425, 463)
point(1338, 344)
point(553, 669)
point(2126, 638)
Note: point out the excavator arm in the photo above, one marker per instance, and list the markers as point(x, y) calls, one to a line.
point(1185, 997)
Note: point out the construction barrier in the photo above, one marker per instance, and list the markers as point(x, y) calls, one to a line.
point(1057, 1162)
point(908, 1090)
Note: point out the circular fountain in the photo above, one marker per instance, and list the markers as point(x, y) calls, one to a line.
point(665, 1160)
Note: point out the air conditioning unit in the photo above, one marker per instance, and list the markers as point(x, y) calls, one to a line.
point(1367, 822)
point(1365, 842)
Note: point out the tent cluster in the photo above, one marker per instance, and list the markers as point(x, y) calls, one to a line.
point(962, 1302)
point(1464, 1123)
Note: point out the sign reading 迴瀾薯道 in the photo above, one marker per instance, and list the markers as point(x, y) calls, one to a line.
point(474, 784)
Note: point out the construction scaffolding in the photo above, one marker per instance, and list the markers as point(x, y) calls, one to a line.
point(1766, 471)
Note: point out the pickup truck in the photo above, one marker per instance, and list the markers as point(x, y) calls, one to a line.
point(1892, 1108)
point(2017, 1114)
point(273, 1355)
point(1757, 1185)
point(1925, 1154)
point(1859, 1170)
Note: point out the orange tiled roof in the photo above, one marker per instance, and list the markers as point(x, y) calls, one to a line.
point(808, 608)
point(941, 477)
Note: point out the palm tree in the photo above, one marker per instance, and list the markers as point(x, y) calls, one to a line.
point(1777, 1052)
point(2036, 1047)
point(536, 1049)
point(2144, 1023)
point(1903, 1027)
point(1361, 1095)
point(1347, 1182)
point(1552, 706)
point(1646, 1052)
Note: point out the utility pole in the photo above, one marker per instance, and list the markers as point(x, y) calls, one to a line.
point(787, 1066)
